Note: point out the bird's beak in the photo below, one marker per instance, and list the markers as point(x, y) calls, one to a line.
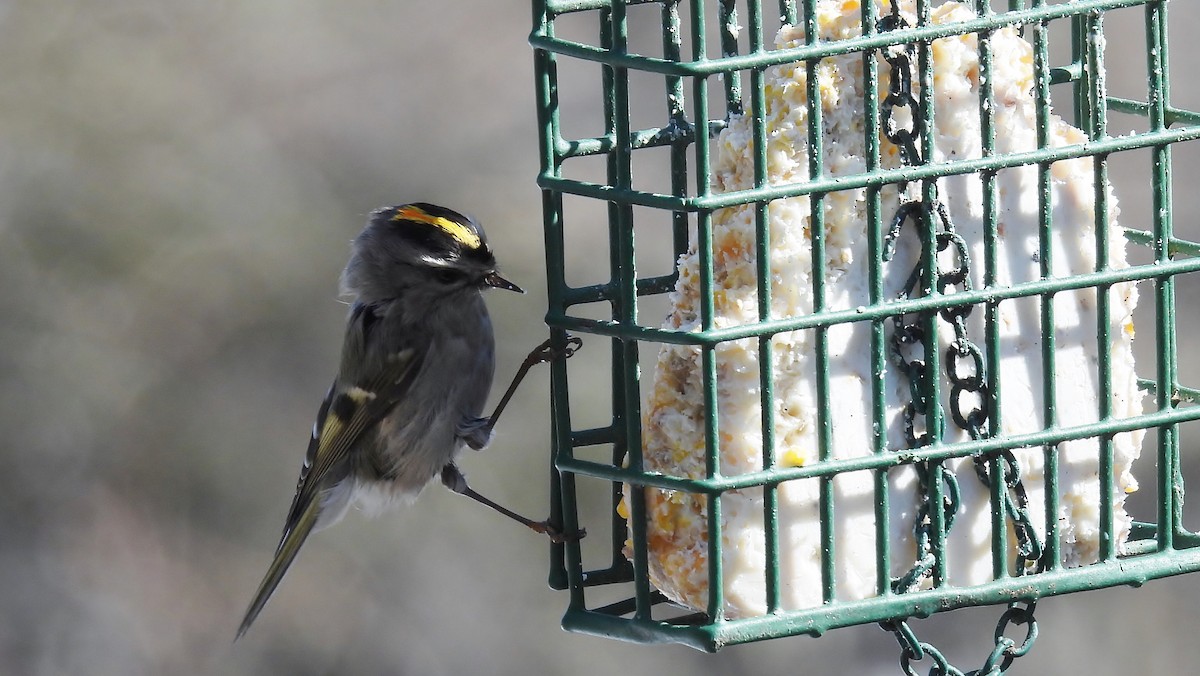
point(495, 281)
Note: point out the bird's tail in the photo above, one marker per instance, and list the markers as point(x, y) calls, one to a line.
point(289, 546)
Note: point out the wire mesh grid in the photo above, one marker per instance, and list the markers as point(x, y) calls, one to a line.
point(712, 70)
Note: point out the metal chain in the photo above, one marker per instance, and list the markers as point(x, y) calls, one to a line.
point(970, 398)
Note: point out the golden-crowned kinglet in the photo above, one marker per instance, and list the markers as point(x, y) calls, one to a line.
point(417, 365)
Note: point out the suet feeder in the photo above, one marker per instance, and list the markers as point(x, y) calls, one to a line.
point(897, 375)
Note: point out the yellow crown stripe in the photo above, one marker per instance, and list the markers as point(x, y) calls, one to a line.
point(461, 233)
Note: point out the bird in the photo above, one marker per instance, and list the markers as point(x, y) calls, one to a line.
point(417, 363)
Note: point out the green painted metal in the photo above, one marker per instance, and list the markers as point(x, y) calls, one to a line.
point(1157, 547)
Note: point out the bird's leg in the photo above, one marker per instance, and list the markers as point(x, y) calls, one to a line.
point(455, 481)
point(540, 355)
point(478, 437)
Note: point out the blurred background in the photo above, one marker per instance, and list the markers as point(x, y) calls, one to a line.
point(178, 185)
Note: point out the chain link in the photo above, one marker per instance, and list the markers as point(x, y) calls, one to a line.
point(970, 398)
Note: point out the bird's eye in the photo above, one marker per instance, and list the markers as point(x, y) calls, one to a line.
point(449, 276)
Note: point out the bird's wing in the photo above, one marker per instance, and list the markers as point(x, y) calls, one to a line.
point(348, 412)
point(350, 409)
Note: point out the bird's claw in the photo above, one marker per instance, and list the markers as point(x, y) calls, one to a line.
point(555, 534)
point(546, 352)
point(574, 344)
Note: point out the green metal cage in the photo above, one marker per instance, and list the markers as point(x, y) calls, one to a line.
point(702, 52)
